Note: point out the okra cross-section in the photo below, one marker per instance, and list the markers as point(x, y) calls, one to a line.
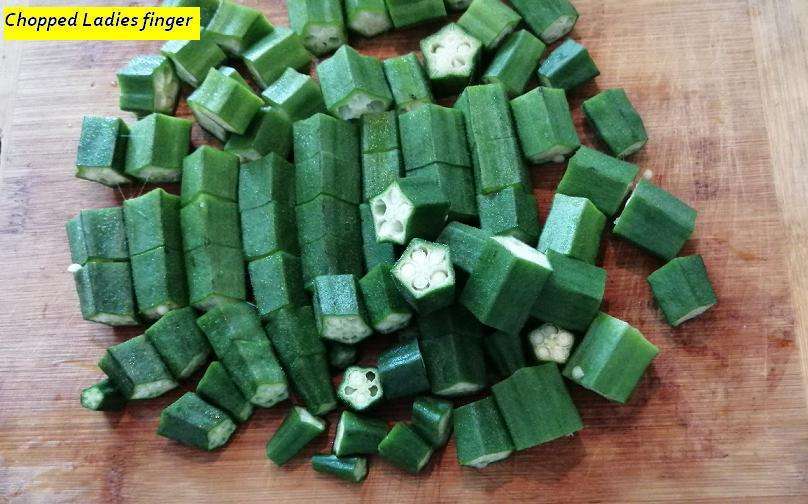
point(193, 422)
point(515, 62)
point(454, 362)
point(193, 58)
point(611, 359)
point(616, 122)
point(353, 84)
point(215, 276)
point(266, 180)
point(682, 290)
point(402, 371)
point(405, 449)
point(367, 17)
point(358, 435)
point(551, 343)
point(490, 21)
point(296, 94)
point(414, 12)
point(180, 343)
point(218, 388)
point(544, 125)
point(387, 310)
point(408, 82)
point(152, 220)
point(157, 145)
point(568, 67)
point(269, 131)
point(425, 276)
point(101, 153)
point(450, 56)
point(236, 27)
point(481, 435)
point(432, 420)
point(602, 179)
point(104, 396)
point(209, 171)
point(136, 369)
point(432, 134)
point(549, 19)
point(209, 220)
point(270, 56)
point(510, 212)
point(148, 84)
point(339, 309)
point(409, 208)
point(105, 292)
point(97, 235)
point(222, 105)
point(298, 429)
point(319, 22)
point(277, 282)
point(465, 243)
point(360, 388)
point(268, 229)
point(573, 228)
point(352, 469)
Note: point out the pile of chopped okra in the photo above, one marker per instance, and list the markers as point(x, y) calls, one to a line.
point(359, 206)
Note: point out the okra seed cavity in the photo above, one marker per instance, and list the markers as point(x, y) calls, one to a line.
point(577, 372)
point(551, 343)
point(360, 387)
point(453, 51)
point(425, 268)
point(390, 210)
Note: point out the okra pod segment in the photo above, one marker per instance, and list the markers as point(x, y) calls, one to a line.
point(433, 134)
point(236, 27)
point(616, 122)
point(568, 67)
point(358, 435)
point(339, 309)
point(136, 369)
point(481, 435)
point(269, 131)
point(209, 171)
point(549, 19)
point(402, 371)
point(551, 343)
point(544, 125)
point(573, 228)
point(454, 363)
point(312, 382)
point(450, 57)
point(217, 388)
point(268, 229)
point(277, 282)
point(353, 84)
point(510, 212)
point(432, 420)
point(193, 58)
point(505, 351)
point(490, 21)
point(148, 84)
point(97, 235)
point(330, 255)
point(232, 73)
point(104, 396)
point(405, 449)
point(409, 208)
point(264, 181)
point(408, 82)
point(256, 372)
point(296, 94)
point(268, 58)
point(105, 292)
point(465, 243)
point(293, 332)
point(457, 184)
point(101, 153)
point(157, 145)
point(326, 215)
point(341, 355)
point(387, 310)
point(298, 429)
point(223, 106)
point(682, 290)
point(353, 469)
point(152, 221)
point(193, 422)
point(415, 12)
point(375, 253)
point(180, 343)
point(231, 322)
point(215, 276)
point(515, 62)
point(425, 276)
point(319, 22)
point(602, 179)
point(360, 388)
point(367, 17)
point(208, 220)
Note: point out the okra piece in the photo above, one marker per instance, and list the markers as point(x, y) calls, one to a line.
point(375, 252)
point(602, 179)
point(330, 255)
point(381, 152)
point(264, 181)
point(353, 469)
point(432, 420)
point(193, 58)
point(465, 243)
point(293, 332)
point(549, 19)
point(433, 134)
point(515, 62)
point(104, 396)
point(551, 343)
point(256, 372)
point(296, 94)
point(148, 84)
point(544, 125)
point(208, 220)
point(360, 388)
point(616, 121)
point(409, 208)
point(415, 12)
point(655, 220)
point(231, 322)
point(405, 449)
point(180, 343)
point(152, 220)
point(489, 21)
point(682, 289)
point(136, 369)
point(157, 145)
point(319, 23)
point(573, 228)
point(341, 355)
point(367, 17)
point(353, 84)
point(358, 435)
point(312, 382)
point(298, 429)
point(408, 82)
point(508, 273)
point(611, 359)
point(457, 184)
point(498, 165)
point(232, 73)
point(105, 292)
point(510, 212)
point(207, 8)
point(481, 434)
point(277, 282)
point(269, 131)
point(425, 276)
point(236, 27)
point(572, 296)
point(452, 320)
point(268, 229)
point(270, 56)
point(223, 106)
point(215, 276)
point(536, 406)
point(101, 152)
point(505, 351)
point(193, 422)
point(457, 5)
point(211, 172)
point(217, 388)
point(97, 235)
point(450, 57)
point(402, 371)
point(568, 67)
point(339, 309)
point(326, 215)
point(454, 363)
point(387, 310)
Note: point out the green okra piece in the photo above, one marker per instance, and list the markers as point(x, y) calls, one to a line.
point(101, 153)
point(457, 184)
point(490, 21)
point(452, 320)
point(268, 229)
point(602, 179)
point(682, 289)
point(505, 351)
point(551, 343)
point(217, 388)
point(457, 5)
point(157, 145)
point(264, 181)
point(105, 292)
point(232, 73)
point(256, 372)
point(235, 27)
point(402, 370)
point(454, 363)
point(481, 434)
point(367, 17)
point(209, 171)
point(567, 67)
point(515, 62)
point(215, 276)
point(104, 396)
point(498, 165)
point(97, 234)
point(277, 282)
point(573, 228)
point(231, 322)
point(326, 215)
point(312, 382)
point(319, 22)
point(544, 125)
point(405, 449)
point(379, 170)
point(433, 134)
point(465, 243)
point(152, 220)
point(387, 310)
point(508, 273)
point(572, 295)
point(339, 309)
point(616, 121)
point(375, 252)
point(330, 255)
point(353, 469)
point(270, 56)
point(193, 422)
point(358, 435)
point(536, 406)
point(353, 84)
point(486, 113)
point(221, 105)
point(425, 277)
point(269, 131)
point(207, 8)
point(148, 84)
point(656, 221)
point(410, 207)
point(510, 212)
point(408, 82)
point(136, 369)
point(293, 332)
point(298, 429)
point(323, 133)
point(193, 59)
point(549, 19)
point(379, 132)
point(296, 94)
point(451, 56)
point(182, 346)
point(361, 388)
point(432, 420)
point(341, 355)
point(160, 282)
point(611, 358)
point(408, 334)
point(405, 13)
point(208, 220)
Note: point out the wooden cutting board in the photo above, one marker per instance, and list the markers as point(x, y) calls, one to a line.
point(721, 415)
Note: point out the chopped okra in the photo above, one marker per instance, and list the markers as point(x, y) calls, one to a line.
point(352, 469)
point(550, 343)
point(358, 435)
point(602, 179)
point(432, 420)
point(277, 282)
point(104, 396)
point(367, 17)
point(457, 183)
point(293, 332)
point(264, 181)
point(232, 73)
point(360, 388)
point(515, 62)
point(375, 253)
point(341, 355)
point(510, 212)
point(415, 12)
point(269, 131)
point(157, 145)
point(544, 125)
point(217, 388)
point(268, 229)
point(182, 346)
point(193, 422)
point(101, 153)
point(215, 276)
point(425, 276)
point(236, 27)
point(409, 208)
point(209, 171)
point(256, 372)
point(454, 363)
point(148, 84)
point(105, 292)
point(339, 309)
point(433, 134)
point(682, 289)
point(457, 5)
point(573, 228)
point(387, 310)
point(319, 22)
point(98, 234)
point(231, 322)
point(312, 382)
point(549, 19)
point(481, 435)
point(136, 369)
point(268, 58)
point(208, 220)
point(223, 106)
point(326, 215)
point(193, 58)
point(450, 57)
point(490, 21)
point(207, 8)
point(298, 429)
point(616, 122)
point(405, 449)
point(568, 67)
point(330, 255)
point(152, 220)
point(379, 132)
point(353, 84)
point(408, 82)
point(402, 370)
point(296, 94)
point(465, 243)
point(381, 152)
point(505, 351)
point(452, 320)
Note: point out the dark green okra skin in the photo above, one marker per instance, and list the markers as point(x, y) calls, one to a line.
point(296, 94)
point(381, 152)
point(510, 212)
point(402, 371)
point(573, 228)
point(101, 152)
point(326, 215)
point(408, 82)
point(312, 382)
point(156, 147)
point(236, 27)
point(481, 434)
point(505, 351)
point(277, 282)
point(269, 131)
point(432, 420)
point(232, 73)
point(215, 276)
point(298, 429)
point(217, 388)
point(406, 13)
point(387, 309)
point(515, 62)
point(256, 372)
point(616, 122)
point(568, 67)
point(269, 229)
point(339, 309)
point(549, 19)
point(433, 134)
point(97, 235)
point(330, 255)
point(223, 105)
point(266, 180)
point(270, 56)
point(103, 396)
point(544, 125)
point(375, 252)
point(152, 220)
point(341, 355)
point(358, 435)
point(180, 343)
point(210, 221)
point(209, 171)
point(405, 449)
point(193, 422)
point(454, 363)
point(682, 289)
point(602, 179)
point(490, 21)
point(231, 322)
point(465, 243)
point(160, 281)
point(136, 369)
point(348, 74)
point(457, 184)
point(105, 293)
point(148, 84)
point(353, 469)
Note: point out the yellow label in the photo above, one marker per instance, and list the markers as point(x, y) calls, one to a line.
point(101, 23)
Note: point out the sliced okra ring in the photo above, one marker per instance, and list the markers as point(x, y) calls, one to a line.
point(408, 82)
point(277, 282)
point(157, 145)
point(298, 429)
point(450, 56)
point(326, 215)
point(97, 234)
point(433, 134)
point(611, 358)
point(415, 12)
point(567, 67)
point(510, 212)
point(375, 252)
point(402, 371)
point(148, 84)
point(682, 289)
point(105, 292)
point(544, 125)
point(193, 58)
point(573, 228)
point(193, 422)
point(269, 229)
point(490, 21)
point(353, 84)
point(266, 180)
point(515, 62)
point(341, 355)
point(425, 276)
point(339, 309)
point(207, 8)
point(465, 243)
point(180, 343)
point(222, 105)
point(269, 131)
point(481, 435)
point(312, 382)
point(550, 343)
point(505, 351)
point(549, 19)
point(101, 153)
point(616, 122)
point(602, 179)
point(209, 220)
point(409, 208)
point(432, 420)
point(387, 310)
point(215, 276)
point(209, 171)
point(152, 220)
point(231, 322)
point(236, 27)
point(136, 369)
point(160, 281)
point(353, 469)
point(217, 388)
point(232, 73)
point(405, 449)
point(256, 372)
point(104, 396)
point(269, 57)
point(536, 406)
point(293, 332)
point(358, 435)
point(455, 364)
point(367, 17)
point(319, 22)
point(330, 255)
point(296, 94)
point(360, 388)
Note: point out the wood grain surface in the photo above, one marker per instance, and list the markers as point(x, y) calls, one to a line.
point(720, 416)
